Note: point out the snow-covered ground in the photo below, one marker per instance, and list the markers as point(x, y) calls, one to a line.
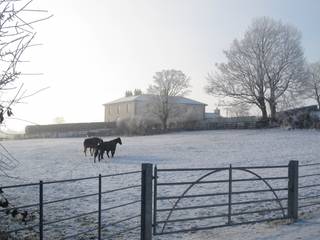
point(53, 159)
point(305, 229)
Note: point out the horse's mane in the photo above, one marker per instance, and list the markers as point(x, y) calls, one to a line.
point(115, 140)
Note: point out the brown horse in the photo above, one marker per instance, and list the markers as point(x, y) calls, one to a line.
point(92, 144)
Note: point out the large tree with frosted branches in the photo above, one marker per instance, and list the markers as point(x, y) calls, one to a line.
point(167, 84)
point(313, 84)
point(263, 67)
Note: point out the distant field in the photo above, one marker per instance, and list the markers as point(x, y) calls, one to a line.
point(63, 158)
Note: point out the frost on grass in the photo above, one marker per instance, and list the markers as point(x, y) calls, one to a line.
point(54, 159)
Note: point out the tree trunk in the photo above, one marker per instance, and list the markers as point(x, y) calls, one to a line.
point(164, 124)
point(164, 121)
point(264, 113)
point(263, 108)
point(273, 110)
point(165, 113)
point(272, 102)
point(317, 97)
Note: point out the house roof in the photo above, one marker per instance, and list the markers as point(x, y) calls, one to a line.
point(148, 97)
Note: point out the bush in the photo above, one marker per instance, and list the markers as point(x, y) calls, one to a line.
point(300, 120)
point(137, 126)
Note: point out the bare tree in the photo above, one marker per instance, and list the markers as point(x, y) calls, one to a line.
point(167, 84)
point(239, 109)
point(128, 93)
point(263, 67)
point(137, 92)
point(313, 83)
point(17, 20)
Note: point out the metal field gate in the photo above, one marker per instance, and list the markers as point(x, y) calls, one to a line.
point(190, 199)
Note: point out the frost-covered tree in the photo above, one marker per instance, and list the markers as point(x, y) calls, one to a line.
point(128, 94)
point(137, 92)
point(17, 34)
point(167, 83)
point(239, 109)
point(313, 83)
point(261, 68)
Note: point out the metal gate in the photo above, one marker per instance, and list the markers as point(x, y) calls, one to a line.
point(218, 197)
point(170, 200)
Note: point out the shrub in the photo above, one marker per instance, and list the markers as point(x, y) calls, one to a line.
point(137, 126)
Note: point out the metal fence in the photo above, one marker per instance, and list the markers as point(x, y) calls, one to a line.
point(233, 125)
point(166, 201)
point(93, 211)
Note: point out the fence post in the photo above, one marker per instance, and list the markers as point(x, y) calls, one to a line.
point(99, 209)
point(155, 200)
point(293, 175)
point(146, 201)
point(230, 195)
point(41, 210)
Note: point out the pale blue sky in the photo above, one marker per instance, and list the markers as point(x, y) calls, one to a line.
point(96, 50)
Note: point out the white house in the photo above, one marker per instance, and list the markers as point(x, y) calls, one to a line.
point(142, 106)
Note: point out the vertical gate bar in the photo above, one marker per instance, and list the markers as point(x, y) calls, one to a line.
point(155, 182)
point(146, 201)
point(293, 175)
point(41, 210)
point(99, 209)
point(142, 201)
point(230, 195)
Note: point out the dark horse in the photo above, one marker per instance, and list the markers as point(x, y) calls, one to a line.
point(106, 147)
point(92, 144)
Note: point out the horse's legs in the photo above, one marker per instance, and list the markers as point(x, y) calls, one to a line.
point(108, 154)
point(101, 154)
point(96, 154)
point(85, 151)
point(112, 152)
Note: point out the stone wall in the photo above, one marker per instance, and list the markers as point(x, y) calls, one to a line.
point(135, 127)
point(70, 130)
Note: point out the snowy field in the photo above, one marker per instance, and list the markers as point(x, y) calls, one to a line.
point(54, 159)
